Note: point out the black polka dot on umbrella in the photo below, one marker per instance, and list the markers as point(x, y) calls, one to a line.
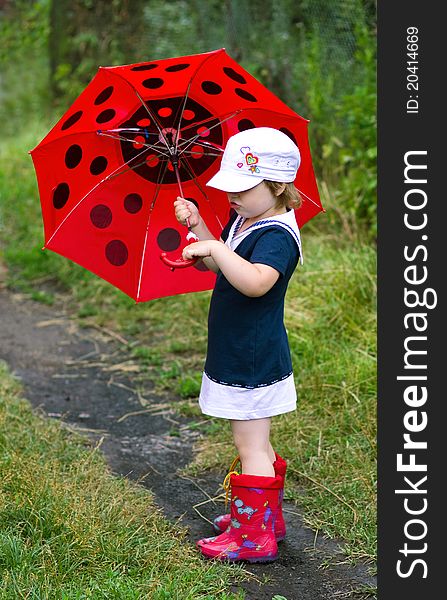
point(210, 87)
point(153, 83)
point(133, 203)
point(289, 134)
point(168, 239)
point(179, 67)
point(106, 115)
point(73, 156)
point(101, 216)
point(245, 95)
point(98, 165)
point(245, 124)
point(144, 67)
point(117, 253)
point(61, 195)
point(104, 95)
point(72, 120)
point(234, 75)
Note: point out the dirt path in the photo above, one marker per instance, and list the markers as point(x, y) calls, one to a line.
point(76, 375)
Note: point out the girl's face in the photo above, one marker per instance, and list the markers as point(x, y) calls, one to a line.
point(257, 202)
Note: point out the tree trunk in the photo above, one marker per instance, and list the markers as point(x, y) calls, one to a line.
point(85, 35)
point(61, 31)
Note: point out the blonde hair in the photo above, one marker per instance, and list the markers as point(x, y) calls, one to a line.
point(288, 198)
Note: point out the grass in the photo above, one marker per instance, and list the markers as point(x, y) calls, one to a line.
point(330, 315)
point(330, 441)
point(71, 530)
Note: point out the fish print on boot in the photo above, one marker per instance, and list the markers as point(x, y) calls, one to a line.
point(254, 510)
point(222, 522)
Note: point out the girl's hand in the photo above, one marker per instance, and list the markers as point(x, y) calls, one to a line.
point(184, 209)
point(199, 249)
point(251, 279)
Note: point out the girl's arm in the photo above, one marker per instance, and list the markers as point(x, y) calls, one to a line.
point(250, 279)
point(188, 210)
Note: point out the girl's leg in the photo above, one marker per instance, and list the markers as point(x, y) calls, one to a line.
point(251, 439)
point(272, 454)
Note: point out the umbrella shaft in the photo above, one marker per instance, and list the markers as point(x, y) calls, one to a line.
point(174, 160)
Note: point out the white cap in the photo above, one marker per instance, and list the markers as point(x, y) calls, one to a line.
point(254, 155)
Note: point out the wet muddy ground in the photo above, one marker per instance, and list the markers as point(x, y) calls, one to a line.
point(83, 378)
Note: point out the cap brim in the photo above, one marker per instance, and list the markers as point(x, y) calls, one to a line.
point(233, 182)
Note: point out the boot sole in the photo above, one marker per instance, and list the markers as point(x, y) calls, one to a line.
point(219, 531)
point(254, 559)
point(266, 559)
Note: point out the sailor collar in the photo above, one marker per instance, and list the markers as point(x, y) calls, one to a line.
point(286, 220)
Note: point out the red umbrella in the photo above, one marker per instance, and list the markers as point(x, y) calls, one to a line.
point(109, 170)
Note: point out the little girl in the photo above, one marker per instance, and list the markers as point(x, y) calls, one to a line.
point(248, 374)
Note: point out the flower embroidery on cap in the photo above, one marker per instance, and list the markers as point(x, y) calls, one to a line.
point(250, 160)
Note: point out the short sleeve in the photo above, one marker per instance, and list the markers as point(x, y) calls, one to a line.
point(276, 248)
point(226, 229)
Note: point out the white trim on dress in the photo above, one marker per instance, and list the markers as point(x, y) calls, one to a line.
point(243, 404)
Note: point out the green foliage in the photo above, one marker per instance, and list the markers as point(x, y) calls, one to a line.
point(24, 92)
point(354, 153)
point(330, 440)
point(319, 59)
point(147, 355)
point(330, 316)
point(69, 529)
point(30, 36)
point(189, 387)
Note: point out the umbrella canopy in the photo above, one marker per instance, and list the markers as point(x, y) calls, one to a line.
point(110, 169)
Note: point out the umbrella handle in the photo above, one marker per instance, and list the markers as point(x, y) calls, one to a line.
point(179, 263)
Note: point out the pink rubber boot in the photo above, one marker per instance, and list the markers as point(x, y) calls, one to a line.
point(221, 522)
point(251, 533)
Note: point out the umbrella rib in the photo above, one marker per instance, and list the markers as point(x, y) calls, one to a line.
point(192, 153)
point(203, 145)
point(145, 162)
point(212, 118)
point(153, 117)
point(196, 124)
point(120, 137)
point(191, 172)
point(207, 58)
point(142, 130)
point(159, 182)
point(157, 190)
point(115, 173)
point(112, 71)
point(306, 196)
point(194, 139)
point(177, 135)
point(109, 176)
point(194, 177)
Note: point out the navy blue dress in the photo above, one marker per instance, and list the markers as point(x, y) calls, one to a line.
point(247, 340)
